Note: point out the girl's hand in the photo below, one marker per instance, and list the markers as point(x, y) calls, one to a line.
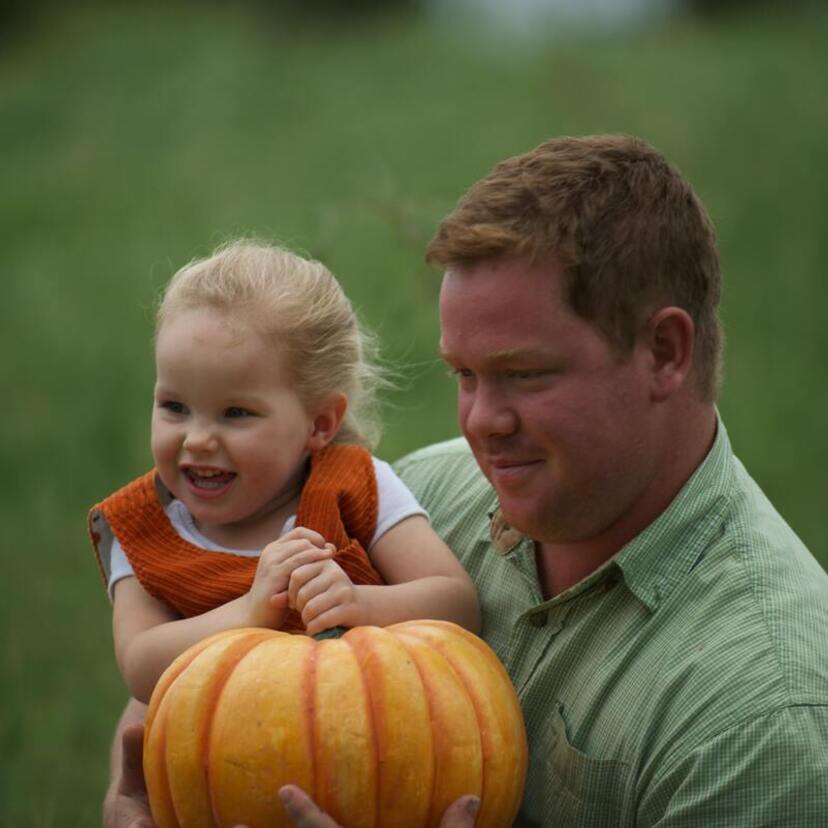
point(267, 599)
point(324, 596)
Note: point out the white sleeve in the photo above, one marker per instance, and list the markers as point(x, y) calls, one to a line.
point(396, 502)
point(111, 556)
point(119, 566)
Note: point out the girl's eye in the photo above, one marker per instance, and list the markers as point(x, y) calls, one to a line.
point(234, 412)
point(173, 406)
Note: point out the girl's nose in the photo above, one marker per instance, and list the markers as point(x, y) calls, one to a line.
point(199, 440)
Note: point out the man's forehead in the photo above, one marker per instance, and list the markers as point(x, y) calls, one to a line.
point(505, 356)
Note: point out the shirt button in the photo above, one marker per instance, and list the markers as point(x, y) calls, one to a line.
point(538, 619)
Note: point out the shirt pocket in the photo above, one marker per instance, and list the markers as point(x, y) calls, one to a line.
point(566, 787)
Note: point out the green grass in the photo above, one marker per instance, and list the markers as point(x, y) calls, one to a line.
point(130, 142)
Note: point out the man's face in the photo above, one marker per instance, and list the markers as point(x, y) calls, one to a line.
point(556, 419)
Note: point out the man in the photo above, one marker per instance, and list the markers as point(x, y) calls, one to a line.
point(666, 631)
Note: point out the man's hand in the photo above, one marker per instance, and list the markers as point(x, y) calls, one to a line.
point(305, 813)
point(125, 805)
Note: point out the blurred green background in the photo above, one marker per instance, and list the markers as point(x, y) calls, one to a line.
point(133, 138)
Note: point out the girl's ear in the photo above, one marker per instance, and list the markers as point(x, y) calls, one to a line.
point(327, 420)
point(670, 338)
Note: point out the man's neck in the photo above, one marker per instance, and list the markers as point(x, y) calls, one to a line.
point(562, 565)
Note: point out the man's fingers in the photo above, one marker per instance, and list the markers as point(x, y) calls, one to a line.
point(303, 811)
point(132, 777)
point(461, 813)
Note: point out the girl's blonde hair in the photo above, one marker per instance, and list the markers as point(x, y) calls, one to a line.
point(298, 305)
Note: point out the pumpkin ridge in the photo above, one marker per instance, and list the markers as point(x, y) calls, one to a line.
point(309, 691)
point(351, 638)
point(164, 781)
point(168, 677)
point(230, 659)
point(432, 635)
point(481, 729)
point(429, 697)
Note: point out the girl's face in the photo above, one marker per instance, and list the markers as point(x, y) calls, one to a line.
point(230, 437)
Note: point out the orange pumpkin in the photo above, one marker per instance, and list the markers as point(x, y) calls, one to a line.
point(383, 727)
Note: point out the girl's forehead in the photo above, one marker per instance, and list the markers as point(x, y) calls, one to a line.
point(204, 322)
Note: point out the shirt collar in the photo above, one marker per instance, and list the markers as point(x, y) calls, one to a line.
point(656, 560)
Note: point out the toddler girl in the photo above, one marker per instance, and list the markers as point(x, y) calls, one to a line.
point(265, 507)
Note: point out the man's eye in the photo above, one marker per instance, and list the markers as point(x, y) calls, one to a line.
point(460, 373)
point(235, 412)
point(173, 406)
point(528, 375)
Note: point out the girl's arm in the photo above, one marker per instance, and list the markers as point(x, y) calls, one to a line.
point(149, 635)
point(424, 580)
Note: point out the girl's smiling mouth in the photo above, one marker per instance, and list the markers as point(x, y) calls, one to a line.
point(207, 481)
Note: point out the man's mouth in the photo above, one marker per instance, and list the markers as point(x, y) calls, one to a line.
point(508, 471)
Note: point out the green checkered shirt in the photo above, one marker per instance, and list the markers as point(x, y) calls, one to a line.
point(685, 683)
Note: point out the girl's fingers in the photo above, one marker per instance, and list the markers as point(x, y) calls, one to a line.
point(319, 604)
point(283, 568)
point(279, 600)
point(306, 581)
point(303, 533)
point(332, 617)
point(284, 550)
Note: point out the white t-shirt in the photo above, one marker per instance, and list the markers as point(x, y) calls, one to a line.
point(395, 503)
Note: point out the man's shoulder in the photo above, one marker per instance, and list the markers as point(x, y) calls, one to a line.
point(785, 586)
point(747, 622)
point(446, 480)
point(455, 447)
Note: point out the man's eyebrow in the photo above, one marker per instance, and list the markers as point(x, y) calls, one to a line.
point(511, 355)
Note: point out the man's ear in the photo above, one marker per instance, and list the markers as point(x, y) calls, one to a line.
point(327, 420)
point(669, 337)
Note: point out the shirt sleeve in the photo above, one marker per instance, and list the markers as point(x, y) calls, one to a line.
point(119, 566)
point(396, 502)
point(767, 772)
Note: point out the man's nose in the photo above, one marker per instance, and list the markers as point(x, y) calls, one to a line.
point(487, 412)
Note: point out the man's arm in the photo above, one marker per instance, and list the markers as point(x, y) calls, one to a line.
point(125, 804)
point(768, 771)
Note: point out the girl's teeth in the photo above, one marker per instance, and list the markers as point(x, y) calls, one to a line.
point(204, 483)
point(210, 479)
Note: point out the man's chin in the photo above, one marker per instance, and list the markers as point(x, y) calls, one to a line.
point(526, 523)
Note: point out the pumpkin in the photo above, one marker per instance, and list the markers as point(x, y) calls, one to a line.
point(384, 727)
